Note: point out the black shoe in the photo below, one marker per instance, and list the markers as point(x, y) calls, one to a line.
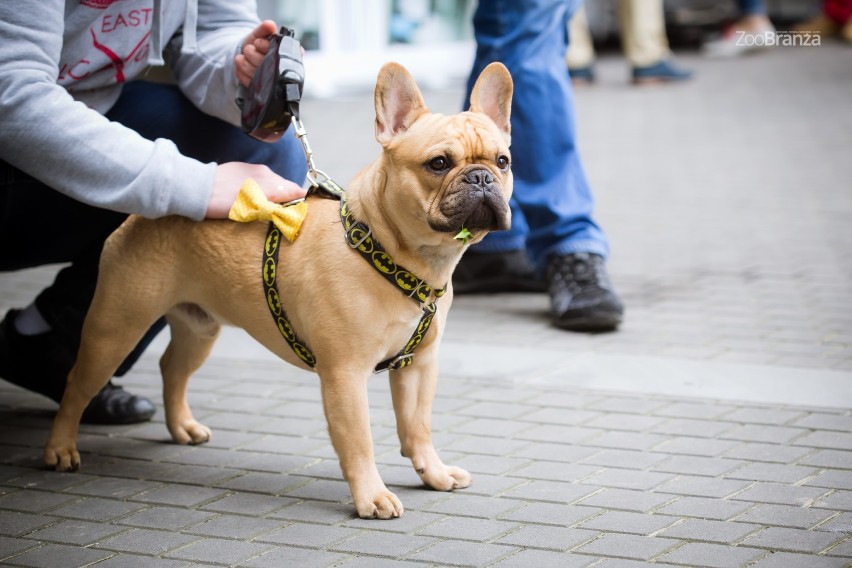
point(581, 296)
point(40, 364)
point(661, 72)
point(114, 405)
point(581, 76)
point(491, 272)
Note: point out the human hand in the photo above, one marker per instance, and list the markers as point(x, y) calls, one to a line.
point(231, 175)
point(254, 49)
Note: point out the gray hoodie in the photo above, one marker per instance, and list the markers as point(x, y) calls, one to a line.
point(62, 65)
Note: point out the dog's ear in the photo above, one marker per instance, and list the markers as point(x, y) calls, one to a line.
point(492, 95)
point(398, 102)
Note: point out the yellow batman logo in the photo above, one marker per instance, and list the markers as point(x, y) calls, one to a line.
point(304, 354)
point(384, 262)
point(273, 301)
point(413, 343)
point(406, 280)
point(424, 325)
point(272, 242)
point(358, 234)
point(269, 272)
point(286, 330)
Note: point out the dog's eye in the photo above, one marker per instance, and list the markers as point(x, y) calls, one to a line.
point(439, 164)
point(503, 162)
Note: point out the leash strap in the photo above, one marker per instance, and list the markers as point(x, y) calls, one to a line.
point(359, 237)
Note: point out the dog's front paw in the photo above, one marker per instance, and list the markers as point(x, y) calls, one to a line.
point(445, 477)
point(62, 457)
point(382, 505)
point(190, 431)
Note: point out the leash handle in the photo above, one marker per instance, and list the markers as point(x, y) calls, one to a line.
point(275, 91)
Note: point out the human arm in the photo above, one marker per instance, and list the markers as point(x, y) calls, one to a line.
point(74, 149)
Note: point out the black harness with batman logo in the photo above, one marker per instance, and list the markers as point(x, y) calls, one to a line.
point(359, 237)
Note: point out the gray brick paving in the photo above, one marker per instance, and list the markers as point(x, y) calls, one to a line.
point(552, 538)
point(584, 458)
point(145, 541)
point(59, 555)
point(791, 560)
point(457, 553)
point(844, 549)
point(545, 559)
point(304, 558)
point(15, 524)
point(219, 551)
point(711, 555)
point(386, 544)
point(628, 546)
point(710, 531)
point(793, 540)
point(786, 516)
point(837, 500)
point(79, 533)
point(624, 522)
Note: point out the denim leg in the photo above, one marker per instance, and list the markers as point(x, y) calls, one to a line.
point(552, 202)
point(161, 111)
point(752, 7)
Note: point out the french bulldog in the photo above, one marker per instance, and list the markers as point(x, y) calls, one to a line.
point(436, 177)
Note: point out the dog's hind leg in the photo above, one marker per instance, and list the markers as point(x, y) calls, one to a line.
point(113, 326)
point(413, 389)
point(194, 332)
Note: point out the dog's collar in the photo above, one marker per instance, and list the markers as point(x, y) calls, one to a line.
point(359, 237)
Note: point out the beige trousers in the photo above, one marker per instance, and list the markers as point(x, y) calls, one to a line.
point(643, 35)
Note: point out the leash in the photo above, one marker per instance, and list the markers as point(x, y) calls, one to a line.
point(360, 238)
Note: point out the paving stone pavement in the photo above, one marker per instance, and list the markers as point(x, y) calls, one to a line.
point(713, 430)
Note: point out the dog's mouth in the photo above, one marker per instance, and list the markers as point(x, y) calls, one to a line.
point(474, 202)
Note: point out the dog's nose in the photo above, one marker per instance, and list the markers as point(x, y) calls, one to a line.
point(479, 177)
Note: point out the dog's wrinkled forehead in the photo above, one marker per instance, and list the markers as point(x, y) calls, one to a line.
point(465, 138)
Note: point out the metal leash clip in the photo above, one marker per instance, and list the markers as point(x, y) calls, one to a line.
point(302, 135)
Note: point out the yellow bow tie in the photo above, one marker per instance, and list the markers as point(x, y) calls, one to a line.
point(252, 205)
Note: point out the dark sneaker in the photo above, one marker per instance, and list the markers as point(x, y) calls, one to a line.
point(492, 272)
point(581, 76)
point(40, 364)
point(114, 405)
point(581, 296)
point(663, 72)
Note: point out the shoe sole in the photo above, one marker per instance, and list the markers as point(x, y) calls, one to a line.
point(118, 420)
point(596, 323)
point(651, 81)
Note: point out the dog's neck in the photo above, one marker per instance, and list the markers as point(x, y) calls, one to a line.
point(432, 261)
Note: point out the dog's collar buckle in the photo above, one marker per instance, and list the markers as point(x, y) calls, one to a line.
point(398, 362)
point(355, 244)
point(416, 289)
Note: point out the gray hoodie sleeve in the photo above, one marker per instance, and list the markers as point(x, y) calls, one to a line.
point(73, 148)
point(203, 61)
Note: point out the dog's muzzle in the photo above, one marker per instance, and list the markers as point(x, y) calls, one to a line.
point(475, 201)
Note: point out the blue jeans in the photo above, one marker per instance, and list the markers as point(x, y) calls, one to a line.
point(751, 7)
point(552, 202)
point(76, 231)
